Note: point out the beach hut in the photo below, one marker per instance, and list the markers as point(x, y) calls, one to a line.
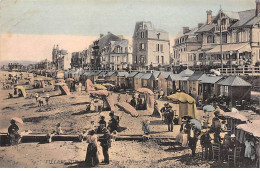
point(173, 83)
point(235, 88)
point(186, 104)
point(162, 82)
point(111, 77)
point(148, 97)
point(130, 80)
point(208, 86)
point(146, 80)
point(121, 79)
point(138, 81)
point(184, 82)
point(193, 82)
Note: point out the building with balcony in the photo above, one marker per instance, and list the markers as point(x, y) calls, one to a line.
point(236, 35)
point(110, 52)
point(186, 42)
point(151, 46)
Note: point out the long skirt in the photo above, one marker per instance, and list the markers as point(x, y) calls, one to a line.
point(91, 156)
point(182, 139)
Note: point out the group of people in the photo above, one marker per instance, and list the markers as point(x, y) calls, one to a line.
point(169, 116)
point(105, 140)
point(138, 103)
point(40, 99)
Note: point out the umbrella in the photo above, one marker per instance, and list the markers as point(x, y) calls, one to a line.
point(144, 90)
point(100, 92)
point(128, 109)
point(99, 87)
point(196, 123)
point(19, 120)
point(181, 97)
point(208, 108)
point(234, 110)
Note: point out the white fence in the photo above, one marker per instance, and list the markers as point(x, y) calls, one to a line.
point(255, 71)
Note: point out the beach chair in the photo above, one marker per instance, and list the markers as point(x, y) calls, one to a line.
point(233, 157)
point(216, 151)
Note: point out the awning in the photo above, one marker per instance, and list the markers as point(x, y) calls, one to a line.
point(240, 47)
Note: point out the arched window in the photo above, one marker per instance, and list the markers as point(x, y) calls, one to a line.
point(211, 39)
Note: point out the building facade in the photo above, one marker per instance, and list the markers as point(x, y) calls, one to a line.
point(110, 52)
point(236, 35)
point(151, 46)
point(61, 59)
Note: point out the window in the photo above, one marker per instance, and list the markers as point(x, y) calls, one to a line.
point(162, 59)
point(224, 38)
point(142, 59)
point(161, 48)
point(142, 34)
point(157, 47)
point(158, 59)
point(211, 39)
point(118, 59)
point(142, 46)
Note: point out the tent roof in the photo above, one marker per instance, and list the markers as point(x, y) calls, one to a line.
point(234, 81)
point(251, 127)
point(146, 76)
point(196, 76)
point(209, 79)
point(110, 74)
point(139, 75)
point(132, 74)
point(122, 74)
point(174, 77)
point(182, 97)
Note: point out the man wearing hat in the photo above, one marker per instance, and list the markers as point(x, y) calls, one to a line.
point(113, 123)
point(105, 144)
point(169, 118)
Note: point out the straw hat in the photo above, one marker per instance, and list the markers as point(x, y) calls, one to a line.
point(233, 136)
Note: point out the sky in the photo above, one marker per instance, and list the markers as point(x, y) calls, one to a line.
point(30, 28)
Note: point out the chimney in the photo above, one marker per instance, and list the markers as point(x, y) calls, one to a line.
point(209, 16)
point(186, 30)
point(257, 11)
point(199, 25)
point(101, 35)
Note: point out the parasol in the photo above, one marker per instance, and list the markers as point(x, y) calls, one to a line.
point(144, 90)
point(19, 120)
point(208, 108)
point(196, 123)
point(99, 87)
point(128, 108)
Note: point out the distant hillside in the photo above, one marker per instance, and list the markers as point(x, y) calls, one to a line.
point(20, 62)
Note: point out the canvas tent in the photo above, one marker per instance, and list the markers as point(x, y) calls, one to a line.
point(187, 104)
point(64, 89)
point(21, 89)
point(149, 97)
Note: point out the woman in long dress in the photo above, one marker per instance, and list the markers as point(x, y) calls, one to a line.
point(91, 156)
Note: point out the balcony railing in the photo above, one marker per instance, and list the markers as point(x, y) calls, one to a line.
point(223, 28)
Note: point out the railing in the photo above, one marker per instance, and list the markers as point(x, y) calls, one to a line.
point(223, 28)
point(240, 71)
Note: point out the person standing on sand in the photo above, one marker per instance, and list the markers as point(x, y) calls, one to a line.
point(13, 133)
point(91, 159)
point(105, 144)
point(118, 97)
